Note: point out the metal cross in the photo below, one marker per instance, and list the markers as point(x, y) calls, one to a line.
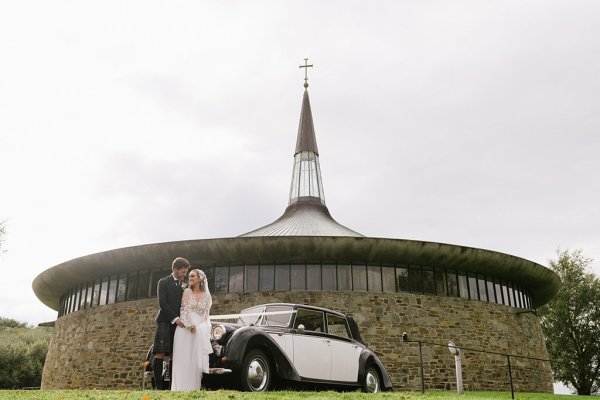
point(306, 66)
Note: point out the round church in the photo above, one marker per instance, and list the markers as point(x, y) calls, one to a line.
point(483, 301)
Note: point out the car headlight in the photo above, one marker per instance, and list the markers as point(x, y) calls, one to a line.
point(217, 332)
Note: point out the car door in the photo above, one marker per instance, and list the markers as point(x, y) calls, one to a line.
point(345, 353)
point(312, 351)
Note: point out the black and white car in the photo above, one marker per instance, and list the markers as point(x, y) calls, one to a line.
point(293, 342)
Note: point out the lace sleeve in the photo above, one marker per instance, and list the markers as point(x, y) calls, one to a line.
point(186, 308)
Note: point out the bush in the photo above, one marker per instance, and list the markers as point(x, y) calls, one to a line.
point(22, 354)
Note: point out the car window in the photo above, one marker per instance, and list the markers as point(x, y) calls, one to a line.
point(337, 326)
point(311, 319)
point(251, 316)
point(280, 317)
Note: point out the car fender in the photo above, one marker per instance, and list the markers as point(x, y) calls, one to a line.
point(250, 337)
point(367, 357)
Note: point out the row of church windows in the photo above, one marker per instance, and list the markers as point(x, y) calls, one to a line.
point(285, 277)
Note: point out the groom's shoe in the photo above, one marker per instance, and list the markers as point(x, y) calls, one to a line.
point(157, 368)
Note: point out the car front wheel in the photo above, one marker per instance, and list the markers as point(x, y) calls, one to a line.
point(255, 375)
point(371, 382)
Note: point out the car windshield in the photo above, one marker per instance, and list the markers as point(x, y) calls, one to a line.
point(266, 316)
point(251, 316)
point(277, 316)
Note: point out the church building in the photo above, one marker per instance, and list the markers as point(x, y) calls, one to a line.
point(482, 300)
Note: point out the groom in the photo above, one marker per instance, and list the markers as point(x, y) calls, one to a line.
point(169, 293)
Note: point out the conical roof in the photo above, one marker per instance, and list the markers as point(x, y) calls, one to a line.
point(306, 214)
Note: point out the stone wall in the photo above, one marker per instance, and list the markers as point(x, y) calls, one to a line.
point(105, 347)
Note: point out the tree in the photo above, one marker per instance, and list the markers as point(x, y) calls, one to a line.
point(571, 323)
point(22, 354)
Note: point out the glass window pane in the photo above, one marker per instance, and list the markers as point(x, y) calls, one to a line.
point(251, 278)
point(344, 277)
point(329, 279)
point(209, 271)
point(463, 286)
point(112, 288)
point(132, 283)
point(440, 282)
point(122, 288)
point(415, 279)
point(298, 277)
point(77, 297)
point(104, 291)
point(81, 298)
point(388, 278)
point(313, 277)
point(143, 281)
point(505, 294)
point(88, 298)
point(402, 279)
point(312, 320)
point(236, 278)
point(490, 287)
point(282, 277)
point(511, 294)
point(428, 282)
point(267, 277)
point(498, 288)
point(452, 283)
point(221, 279)
point(482, 289)
point(337, 326)
point(374, 278)
point(473, 291)
point(359, 277)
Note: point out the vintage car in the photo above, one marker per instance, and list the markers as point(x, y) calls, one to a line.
point(294, 343)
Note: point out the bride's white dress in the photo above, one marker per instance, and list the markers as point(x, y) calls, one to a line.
point(191, 350)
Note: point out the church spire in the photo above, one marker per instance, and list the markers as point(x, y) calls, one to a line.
point(306, 213)
point(307, 185)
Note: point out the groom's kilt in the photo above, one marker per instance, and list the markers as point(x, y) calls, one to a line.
point(163, 338)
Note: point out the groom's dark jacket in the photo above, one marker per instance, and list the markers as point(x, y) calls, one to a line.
point(169, 299)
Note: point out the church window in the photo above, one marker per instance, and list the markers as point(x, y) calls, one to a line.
point(298, 276)
point(236, 279)
point(221, 278)
point(329, 278)
point(402, 279)
point(415, 279)
point(359, 277)
point(251, 278)
point(313, 277)
point(452, 283)
point(344, 277)
point(282, 277)
point(267, 277)
point(374, 278)
point(388, 279)
point(428, 280)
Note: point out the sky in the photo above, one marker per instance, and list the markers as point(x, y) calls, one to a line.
point(124, 123)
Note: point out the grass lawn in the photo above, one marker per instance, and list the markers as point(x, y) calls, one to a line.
point(234, 395)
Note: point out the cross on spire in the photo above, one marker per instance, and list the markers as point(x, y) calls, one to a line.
point(306, 66)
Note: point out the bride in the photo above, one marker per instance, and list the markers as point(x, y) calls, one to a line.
point(191, 345)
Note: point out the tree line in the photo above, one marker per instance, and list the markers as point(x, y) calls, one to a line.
point(22, 353)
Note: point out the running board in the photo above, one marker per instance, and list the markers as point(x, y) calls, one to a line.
point(219, 371)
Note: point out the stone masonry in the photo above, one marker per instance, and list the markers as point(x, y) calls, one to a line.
point(105, 347)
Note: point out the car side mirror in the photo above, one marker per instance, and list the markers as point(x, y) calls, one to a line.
point(300, 327)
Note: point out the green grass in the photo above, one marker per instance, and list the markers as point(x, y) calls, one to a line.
point(234, 395)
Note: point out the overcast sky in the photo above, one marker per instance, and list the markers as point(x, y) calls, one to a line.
point(123, 123)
